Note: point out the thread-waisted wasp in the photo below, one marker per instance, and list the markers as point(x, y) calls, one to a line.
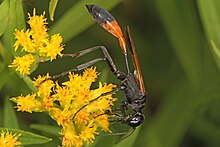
point(131, 84)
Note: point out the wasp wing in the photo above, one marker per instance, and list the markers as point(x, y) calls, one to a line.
point(135, 60)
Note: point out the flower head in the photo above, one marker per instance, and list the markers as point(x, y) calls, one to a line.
point(23, 64)
point(77, 108)
point(7, 139)
point(36, 42)
point(28, 103)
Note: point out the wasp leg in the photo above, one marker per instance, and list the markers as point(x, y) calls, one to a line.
point(113, 121)
point(124, 107)
point(120, 75)
point(120, 119)
point(125, 134)
point(104, 94)
point(77, 68)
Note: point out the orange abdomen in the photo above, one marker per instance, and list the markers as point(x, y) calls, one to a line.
point(108, 22)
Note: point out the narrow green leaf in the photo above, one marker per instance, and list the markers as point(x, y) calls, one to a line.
point(215, 49)
point(4, 75)
point(29, 82)
point(4, 54)
point(54, 130)
point(210, 16)
point(4, 10)
point(77, 19)
point(19, 12)
point(15, 20)
point(173, 119)
point(206, 130)
point(52, 8)
point(9, 117)
point(182, 26)
point(28, 138)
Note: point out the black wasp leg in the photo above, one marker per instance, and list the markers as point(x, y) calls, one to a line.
point(124, 107)
point(125, 134)
point(78, 68)
point(104, 94)
point(120, 75)
point(119, 116)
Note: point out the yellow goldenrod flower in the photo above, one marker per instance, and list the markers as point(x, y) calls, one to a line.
point(70, 138)
point(62, 117)
point(80, 95)
point(52, 48)
point(28, 103)
point(77, 108)
point(38, 23)
point(45, 89)
point(40, 79)
point(88, 133)
point(82, 117)
point(63, 96)
point(23, 64)
point(35, 41)
point(7, 139)
point(24, 39)
point(103, 122)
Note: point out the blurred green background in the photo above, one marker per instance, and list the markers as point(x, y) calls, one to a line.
point(178, 44)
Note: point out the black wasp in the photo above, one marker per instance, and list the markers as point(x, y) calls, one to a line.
point(131, 84)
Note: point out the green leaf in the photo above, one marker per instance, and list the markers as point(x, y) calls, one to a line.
point(4, 54)
point(28, 138)
point(206, 129)
point(4, 10)
point(77, 19)
point(181, 25)
point(4, 75)
point(52, 7)
point(215, 49)
point(15, 20)
point(54, 130)
point(9, 117)
point(173, 119)
point(27, 81)
point(210, 16)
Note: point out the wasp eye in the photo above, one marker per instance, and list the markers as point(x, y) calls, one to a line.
point(136, 120)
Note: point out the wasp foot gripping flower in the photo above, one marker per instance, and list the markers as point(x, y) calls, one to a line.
point(7, 139)
point(36, 44)
point(77, 108)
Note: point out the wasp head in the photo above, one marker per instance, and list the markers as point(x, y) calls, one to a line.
point(135, 120)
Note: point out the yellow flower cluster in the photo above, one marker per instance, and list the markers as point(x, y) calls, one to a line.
point(72, 104)
point(36, 44)
point(7, 139)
